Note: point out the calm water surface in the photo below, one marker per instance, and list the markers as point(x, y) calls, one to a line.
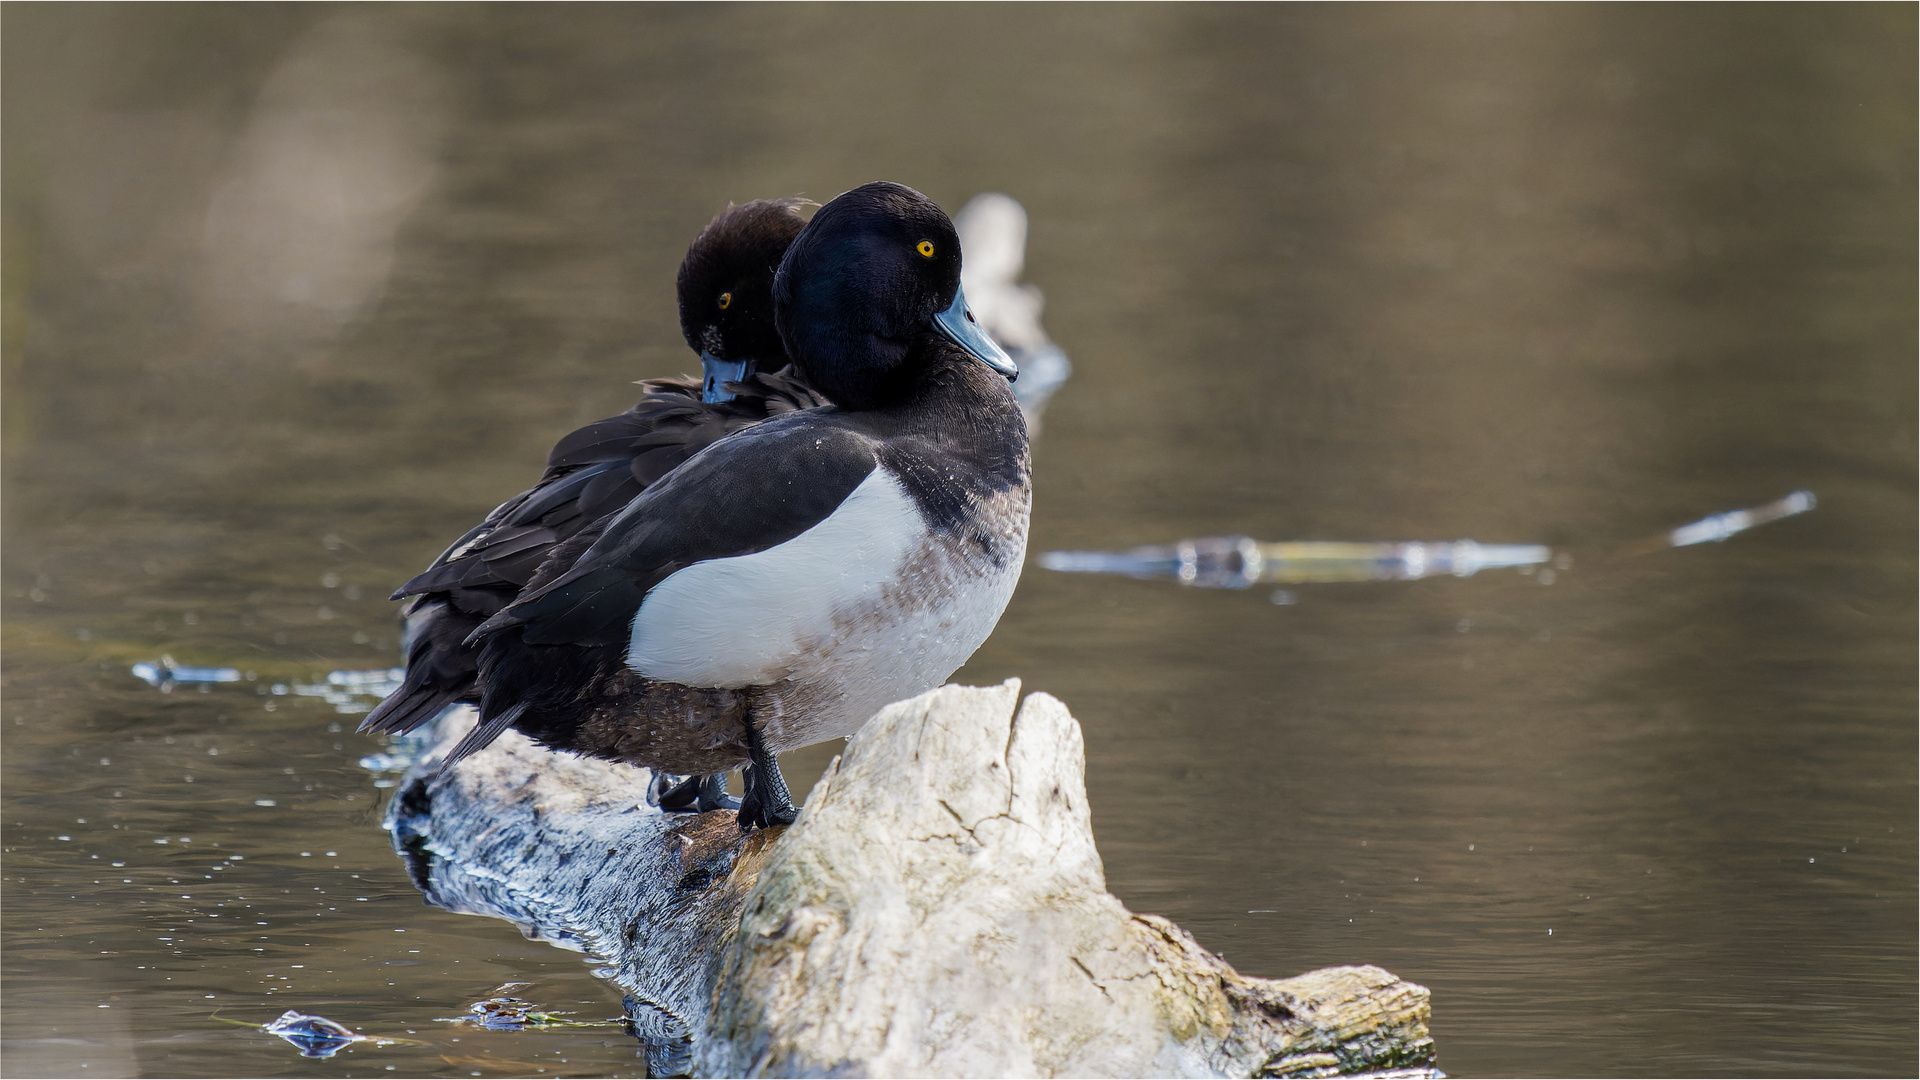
point(294, 294)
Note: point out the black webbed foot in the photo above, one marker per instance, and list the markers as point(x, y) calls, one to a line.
point(713, 794)
point(691, 794)
point(767, 802)
point(670, 791)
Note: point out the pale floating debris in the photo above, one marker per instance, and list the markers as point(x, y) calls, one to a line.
point(1042, 371)
point(504, 1012)
point(1720, 526)
point(1236, 562)
point(317, 1036)
point(993, 232)
point(379, 681)
point(165, 672)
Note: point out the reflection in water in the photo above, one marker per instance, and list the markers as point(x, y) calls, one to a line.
point(352, 692)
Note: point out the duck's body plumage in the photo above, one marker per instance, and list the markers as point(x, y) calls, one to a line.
point(793, 577)
point(594, 472)
point(810, 571)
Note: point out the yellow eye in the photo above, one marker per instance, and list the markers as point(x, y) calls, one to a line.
point(726, 299)
point(926, 248)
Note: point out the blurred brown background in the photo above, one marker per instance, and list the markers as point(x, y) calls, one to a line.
point(294, 294)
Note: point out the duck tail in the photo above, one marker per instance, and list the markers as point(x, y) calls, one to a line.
point(440, 671)
point(407, 708)
point(483, 733)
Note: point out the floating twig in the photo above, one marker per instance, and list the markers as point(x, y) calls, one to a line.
point(1236, 562)
point(1714, 529)
point(164, 672)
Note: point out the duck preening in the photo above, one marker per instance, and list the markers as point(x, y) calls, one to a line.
point(790, 579)
point(726, 313)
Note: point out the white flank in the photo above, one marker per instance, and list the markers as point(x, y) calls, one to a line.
point(742, 621)
point(943, 607)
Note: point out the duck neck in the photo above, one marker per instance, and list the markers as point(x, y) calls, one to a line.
point(948, 399)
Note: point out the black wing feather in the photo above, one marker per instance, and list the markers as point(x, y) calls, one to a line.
point(510, 540)
point(536, 536)
point(552, 494)
point(600, 468)
point(760, 488)
point(604, 491)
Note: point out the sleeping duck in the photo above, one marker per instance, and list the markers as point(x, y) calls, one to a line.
point(726, 313)
point(789, 580)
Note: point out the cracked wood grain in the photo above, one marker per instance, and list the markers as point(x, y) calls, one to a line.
point(852, 944)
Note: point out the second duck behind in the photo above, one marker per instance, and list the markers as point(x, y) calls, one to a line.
point(788, 581)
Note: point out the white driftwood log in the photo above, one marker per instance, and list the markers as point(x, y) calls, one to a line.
point(939, 909)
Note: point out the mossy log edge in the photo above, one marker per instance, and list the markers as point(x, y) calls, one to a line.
point(939, 909)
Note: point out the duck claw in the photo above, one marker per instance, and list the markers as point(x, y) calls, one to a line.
point(755, 813)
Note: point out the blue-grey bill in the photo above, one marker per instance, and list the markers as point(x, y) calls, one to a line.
point(958, 323)
point(717, 374)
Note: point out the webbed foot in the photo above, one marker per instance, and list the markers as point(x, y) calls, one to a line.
point(691, 794)
point(767, 802)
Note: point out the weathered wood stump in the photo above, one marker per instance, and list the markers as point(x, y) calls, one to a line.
point(939, 909)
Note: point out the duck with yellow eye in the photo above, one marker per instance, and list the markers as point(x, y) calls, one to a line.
point(726, 311)
point(730, 269)
point(790, 580)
